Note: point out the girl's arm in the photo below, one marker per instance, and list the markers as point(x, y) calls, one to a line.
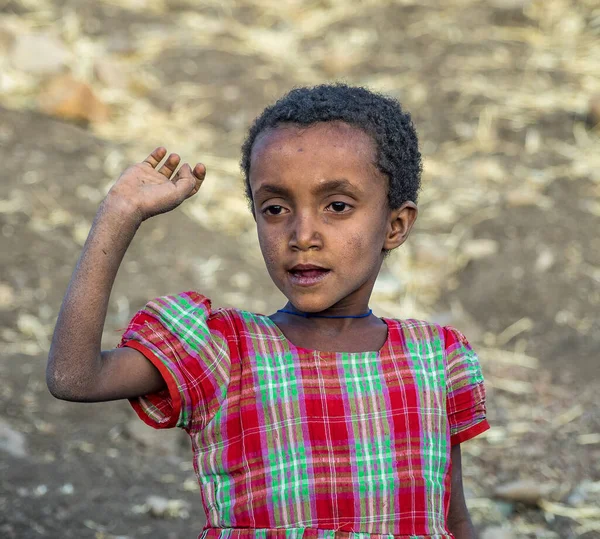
point(77, 369)
point(459, 521)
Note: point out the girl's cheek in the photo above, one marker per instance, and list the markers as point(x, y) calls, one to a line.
point(269, 249)
point(354, 245)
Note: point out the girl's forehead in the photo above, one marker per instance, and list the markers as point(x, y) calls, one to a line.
point(318, 138)
point(306, 158)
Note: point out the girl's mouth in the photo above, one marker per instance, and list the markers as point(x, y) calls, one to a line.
point(307, 277)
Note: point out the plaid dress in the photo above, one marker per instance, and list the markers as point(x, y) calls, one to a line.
point(292, 443)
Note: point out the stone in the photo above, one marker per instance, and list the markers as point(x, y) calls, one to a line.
point(480, 248)
point(67, 489)
point(31, 326)
point(545, 260)
point(68, 98)
point(12, 441)
point(39, 54)
point(121, 44)
point(497, 532)
point(160, 507)
point(110, 73)
point(7, 296)
point(525, 491)
point(506, 509)
point(386, 286)
point(510, 5)
point(527, 196)
point(159, 441)
point(488, 169)
point(40, 490)
point(241, 280)
point(430, 250)
point(157, 505)
point(584, 493)
point(7, 40)
point(594, 110)
point(340, 62)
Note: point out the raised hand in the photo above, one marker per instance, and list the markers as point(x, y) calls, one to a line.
point(77, 369)
point(145, 190)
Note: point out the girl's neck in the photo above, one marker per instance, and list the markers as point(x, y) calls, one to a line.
point(332, 334)
point(331, 321)
point(313, 315)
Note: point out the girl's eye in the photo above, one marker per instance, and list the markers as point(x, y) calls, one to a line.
point(338, 207)
point(273, 210)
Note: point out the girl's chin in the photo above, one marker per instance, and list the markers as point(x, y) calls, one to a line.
point(312, 305)
point(305, 305)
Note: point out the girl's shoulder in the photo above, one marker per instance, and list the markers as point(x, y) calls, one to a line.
point(418, 331)
point(415, 328)
point(194, 308)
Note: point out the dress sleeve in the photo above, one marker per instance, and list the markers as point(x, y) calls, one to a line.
point(465, 400)
point(185, 341)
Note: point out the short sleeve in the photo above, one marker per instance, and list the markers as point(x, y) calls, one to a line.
point(186, 342)
point(465, 400)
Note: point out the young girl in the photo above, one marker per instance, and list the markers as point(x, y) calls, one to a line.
point(320, 420)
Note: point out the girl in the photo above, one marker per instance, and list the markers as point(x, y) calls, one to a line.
point(320, 420)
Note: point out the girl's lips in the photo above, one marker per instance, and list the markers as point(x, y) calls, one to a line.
point(307, 277)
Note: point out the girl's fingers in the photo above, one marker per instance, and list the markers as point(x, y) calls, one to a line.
point(156, 156)
point(170, 165)
point(199, 175)
point(200, 171)
point(188, 181)
point(183, 172)
point(184, 181)
point(192, 180)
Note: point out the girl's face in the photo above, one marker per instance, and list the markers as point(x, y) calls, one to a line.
point(320, 201)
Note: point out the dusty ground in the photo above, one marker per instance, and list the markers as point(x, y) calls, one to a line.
point(506, 246)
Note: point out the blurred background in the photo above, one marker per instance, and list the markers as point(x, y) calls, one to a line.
point(505, 95)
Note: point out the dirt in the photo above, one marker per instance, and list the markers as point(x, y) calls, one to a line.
point(86, 470)
point(563, 299)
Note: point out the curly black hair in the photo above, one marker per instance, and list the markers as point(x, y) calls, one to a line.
point(380, 116)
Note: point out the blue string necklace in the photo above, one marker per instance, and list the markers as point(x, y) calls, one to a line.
point(310, 315)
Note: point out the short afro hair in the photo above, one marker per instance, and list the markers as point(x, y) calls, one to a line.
point(380, 116)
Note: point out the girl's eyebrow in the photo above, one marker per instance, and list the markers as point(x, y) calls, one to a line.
point(341, 185)
point(271, 189)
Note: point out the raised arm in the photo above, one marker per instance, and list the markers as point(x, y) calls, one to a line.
point(77, 369)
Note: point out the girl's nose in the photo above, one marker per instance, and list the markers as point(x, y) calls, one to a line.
point(305, 234)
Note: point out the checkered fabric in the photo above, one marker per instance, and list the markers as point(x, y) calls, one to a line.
point(295, 443)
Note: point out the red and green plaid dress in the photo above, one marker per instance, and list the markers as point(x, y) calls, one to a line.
point(292, 443)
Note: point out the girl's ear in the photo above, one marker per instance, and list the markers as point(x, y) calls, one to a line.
point(400, 223)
